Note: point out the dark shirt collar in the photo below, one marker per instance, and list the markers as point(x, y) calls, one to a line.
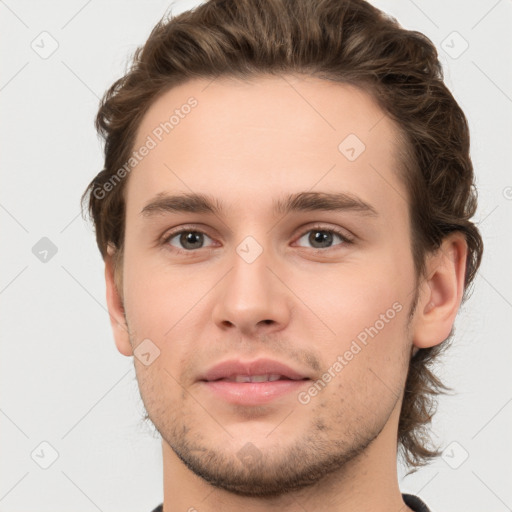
point(415, 503)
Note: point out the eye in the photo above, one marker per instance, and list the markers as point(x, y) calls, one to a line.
point(190, 240)
point(187, 239)
point(322, 238)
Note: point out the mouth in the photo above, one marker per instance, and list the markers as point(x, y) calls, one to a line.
point(267, 377)
point(259, 370)
point(252, 382)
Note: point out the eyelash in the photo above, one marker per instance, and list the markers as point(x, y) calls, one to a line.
point(345, 239)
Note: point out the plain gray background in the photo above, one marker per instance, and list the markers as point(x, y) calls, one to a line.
point(64, 384)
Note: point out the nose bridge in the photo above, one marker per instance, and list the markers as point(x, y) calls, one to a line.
point(250, 295)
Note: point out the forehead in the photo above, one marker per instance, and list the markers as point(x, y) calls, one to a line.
point(265, 135)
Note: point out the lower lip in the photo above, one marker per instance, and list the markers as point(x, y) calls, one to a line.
point(254, 393)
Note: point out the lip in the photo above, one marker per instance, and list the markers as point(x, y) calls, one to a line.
point(234, 367)
point(252, 393)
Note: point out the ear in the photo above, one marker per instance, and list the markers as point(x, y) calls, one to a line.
point(116, 309)
point(440, 292)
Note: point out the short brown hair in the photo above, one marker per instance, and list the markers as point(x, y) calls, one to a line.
point(347, 41)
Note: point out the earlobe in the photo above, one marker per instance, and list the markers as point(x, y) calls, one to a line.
point(441, 292)
point(116, 310)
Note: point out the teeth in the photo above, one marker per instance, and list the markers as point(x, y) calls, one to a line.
point(254, 378)
point(260, 378)
point(242, 378)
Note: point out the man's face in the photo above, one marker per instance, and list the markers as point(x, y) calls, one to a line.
point(248, 282)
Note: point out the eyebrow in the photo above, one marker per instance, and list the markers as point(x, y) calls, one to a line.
point(298, 202)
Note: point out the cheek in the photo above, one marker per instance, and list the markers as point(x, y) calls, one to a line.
point(372, 329)
point(352, 297)
point(366, 312)
point(156, 300)
point(366, 360)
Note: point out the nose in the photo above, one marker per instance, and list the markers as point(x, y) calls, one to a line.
point(253, 298)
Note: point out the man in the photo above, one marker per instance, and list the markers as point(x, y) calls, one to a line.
point(284, 216)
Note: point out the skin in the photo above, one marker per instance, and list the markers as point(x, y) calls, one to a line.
point(248, 144)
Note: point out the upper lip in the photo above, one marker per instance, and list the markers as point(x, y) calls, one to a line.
point(233, 367)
